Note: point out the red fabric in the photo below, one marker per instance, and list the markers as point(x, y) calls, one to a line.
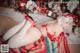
point(77, 24)
point(57, 39)
point(65, 44)
point(39, 47)
point(71, 15)
point(51, 37)
point(23, 0)
point(13, 50)
point(38, 3)
point(23, 50)
point(20, 5)
point(28, 18)
point(44, 10)
point(10, 51)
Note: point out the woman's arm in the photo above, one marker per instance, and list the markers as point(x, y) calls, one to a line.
point(32, 35)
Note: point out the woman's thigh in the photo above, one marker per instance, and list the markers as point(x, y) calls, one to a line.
point(74, 48)
point(6, 23)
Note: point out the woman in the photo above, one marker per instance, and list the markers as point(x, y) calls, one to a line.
point(43, 40)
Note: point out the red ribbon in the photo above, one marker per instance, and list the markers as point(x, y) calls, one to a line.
point(65, 44)
point(28, 18)
point(70, 15)
point(38, 3)
point(57, 39)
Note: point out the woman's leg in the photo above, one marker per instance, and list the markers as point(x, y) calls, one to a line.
point(74, 48)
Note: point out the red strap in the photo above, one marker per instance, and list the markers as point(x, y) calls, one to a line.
point(10, 51)
point(65, 44)
point(51, 37)
point(23, 50)
point(71, 15)
point(28, 18)
point(13, 50)
point(38, 3)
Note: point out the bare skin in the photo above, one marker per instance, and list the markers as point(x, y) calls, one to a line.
point(6, 23)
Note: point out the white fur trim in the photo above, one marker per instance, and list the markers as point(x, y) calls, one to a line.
point(66, 23)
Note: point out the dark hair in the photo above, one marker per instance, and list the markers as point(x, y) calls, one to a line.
point(63, 7)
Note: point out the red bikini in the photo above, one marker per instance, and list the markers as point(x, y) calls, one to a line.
point(62, 37)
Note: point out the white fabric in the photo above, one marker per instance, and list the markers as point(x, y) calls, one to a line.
point(49, 13)
point(39, 19)
point(66, 23)
point(50, 4)
point(73, 38)
point(30, 5)
point(72, 4)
